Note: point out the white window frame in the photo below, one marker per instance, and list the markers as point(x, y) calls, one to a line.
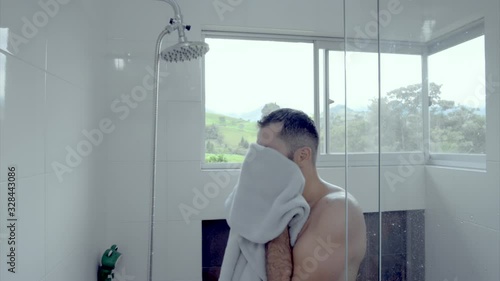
point(336, 160)
point(449, 40)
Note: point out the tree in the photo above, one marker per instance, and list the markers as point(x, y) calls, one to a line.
point(212, 133)
point(457, 129)
point(210, 147)
point(268, 108)
point(453, 128)
point(401, 117)
point(243, 143)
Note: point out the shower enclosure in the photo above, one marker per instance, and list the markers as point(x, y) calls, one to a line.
point(405, 96)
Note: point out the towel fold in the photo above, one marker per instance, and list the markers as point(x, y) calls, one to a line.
point(267, 199)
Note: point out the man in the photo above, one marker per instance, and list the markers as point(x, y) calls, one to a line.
point(320, 251)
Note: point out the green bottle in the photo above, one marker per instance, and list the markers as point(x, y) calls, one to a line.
point(108, 263)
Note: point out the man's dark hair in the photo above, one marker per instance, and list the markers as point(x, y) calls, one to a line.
point(298, 129)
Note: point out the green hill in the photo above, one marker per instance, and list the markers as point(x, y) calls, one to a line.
point(225, 134)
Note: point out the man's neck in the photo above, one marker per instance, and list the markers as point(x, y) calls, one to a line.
point(314, 189)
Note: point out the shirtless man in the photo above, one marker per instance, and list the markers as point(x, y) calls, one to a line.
point(320, 251)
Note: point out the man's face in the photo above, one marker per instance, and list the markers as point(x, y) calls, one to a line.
point(268, 137)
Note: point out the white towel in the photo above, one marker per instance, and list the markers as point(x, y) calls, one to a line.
point(267, 199)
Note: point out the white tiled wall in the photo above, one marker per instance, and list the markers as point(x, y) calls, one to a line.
point(63, 80)
point(462, 224)
point(463, 207)
point(53, 51)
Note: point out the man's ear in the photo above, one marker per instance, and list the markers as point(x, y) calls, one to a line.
point(303, 155)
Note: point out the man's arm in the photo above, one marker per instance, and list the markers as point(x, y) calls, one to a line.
point(279, 264)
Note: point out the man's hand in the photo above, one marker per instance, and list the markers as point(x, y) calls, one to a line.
point(279, 264)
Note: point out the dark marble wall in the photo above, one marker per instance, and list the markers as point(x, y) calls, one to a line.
point(403, 247)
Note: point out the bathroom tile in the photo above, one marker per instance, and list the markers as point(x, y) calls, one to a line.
point(448, 190)
point(70, 59)
point(132, 138)
point(68, 220)
point(362, 185)
point(91, 104)
point(217, 185)
point(181, 178)
point(179, 251)
point(161, 193)
point(183, 82)
point(336, 176)
point(64, 139)
point(372, 233)
point(129, 192)
point(493, 180)
point(23, 120)
point(415, 251)
point(131, 239)
point(133, 76)
point(493, 126)
point(163, 141)
point(86, 269)
point(402, 187)
point(394, 267)
point(23, 31)
point(121, 26)
point(194, 195)
point(185, 125)
point(30, 248)
point(482, 246)
point(130, 65)
point(394, 233)
point(368, 270)
point(448, 229)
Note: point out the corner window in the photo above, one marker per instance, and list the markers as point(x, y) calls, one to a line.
point(432, 96)
point(457, 92)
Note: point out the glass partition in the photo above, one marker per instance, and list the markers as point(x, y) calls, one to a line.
point(433, 87)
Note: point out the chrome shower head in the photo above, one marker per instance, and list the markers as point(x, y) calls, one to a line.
point(183, 51)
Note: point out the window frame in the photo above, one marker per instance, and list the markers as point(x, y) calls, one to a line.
point(451, 39)
point(338, 160)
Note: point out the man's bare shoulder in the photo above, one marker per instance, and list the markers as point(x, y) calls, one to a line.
point(335, 202)
point(328, 215)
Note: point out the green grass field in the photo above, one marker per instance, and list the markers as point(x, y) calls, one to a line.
point(232, 130)
point(231, 158)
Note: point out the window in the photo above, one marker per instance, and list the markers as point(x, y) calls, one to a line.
point(401, 102)
point(457, 94)
point(245, 79)
point(431, 104)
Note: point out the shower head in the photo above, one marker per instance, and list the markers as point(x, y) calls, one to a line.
point(185, 51)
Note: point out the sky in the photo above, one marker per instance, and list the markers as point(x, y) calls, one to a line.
point(243, 75)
